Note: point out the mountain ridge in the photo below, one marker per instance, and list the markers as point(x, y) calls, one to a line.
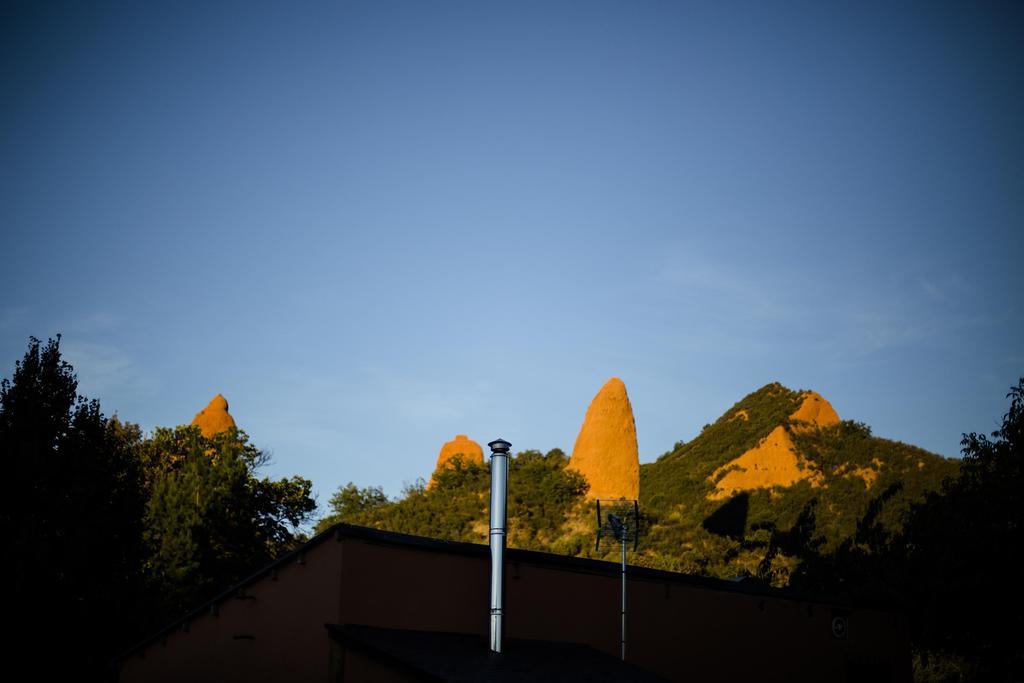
point(693, 527)
point(692, 522)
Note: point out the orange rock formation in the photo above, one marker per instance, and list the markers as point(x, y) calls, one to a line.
point(773, 462)
point(459, 447)
point(606, 451)
point(214, 418)
point(814, 412)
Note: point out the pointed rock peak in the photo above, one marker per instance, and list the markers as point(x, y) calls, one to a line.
point(214, 418)
point(606, 450)
point(460, 447)
point(615, 385)
point(814, 412)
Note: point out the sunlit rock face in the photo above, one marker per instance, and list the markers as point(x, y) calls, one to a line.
point(214, 418)
point(459, 447)
point(773, 462)
point(606, 451)
point(815, 412)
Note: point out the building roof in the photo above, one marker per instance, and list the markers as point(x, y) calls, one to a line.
point(460, 658)
point(513, 556)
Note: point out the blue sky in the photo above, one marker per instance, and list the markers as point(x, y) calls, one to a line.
point(375, 225)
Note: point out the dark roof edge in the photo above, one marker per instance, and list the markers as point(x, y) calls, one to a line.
point(340, 632)
point(512, 555)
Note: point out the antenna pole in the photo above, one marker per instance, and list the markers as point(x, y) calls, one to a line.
point(622, 521)
point(623, 643)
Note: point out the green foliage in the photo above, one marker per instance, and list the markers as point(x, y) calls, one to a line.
point(752, 534)
point(542, 494)
point(451, 509)
point(839, 451)
point(682, 472)
point(209, 520)
point(352, 504)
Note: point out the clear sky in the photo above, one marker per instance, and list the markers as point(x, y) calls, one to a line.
point(375, 225)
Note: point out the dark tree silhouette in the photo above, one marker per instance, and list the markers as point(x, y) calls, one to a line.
point(108, 535)
point(952, 568)
point(71, 516)
point(963, 546)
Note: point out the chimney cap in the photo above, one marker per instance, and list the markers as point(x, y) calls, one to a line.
point(499, 446)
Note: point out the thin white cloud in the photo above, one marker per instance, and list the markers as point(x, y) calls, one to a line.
point(96, 321)
point(106, 372)
point(749, 306)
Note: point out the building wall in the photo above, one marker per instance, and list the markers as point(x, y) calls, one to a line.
point(274, 633)
point(677, 629)
point(409, 588)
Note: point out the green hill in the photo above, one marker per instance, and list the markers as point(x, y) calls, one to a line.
point(690, 530)
point(692, 523)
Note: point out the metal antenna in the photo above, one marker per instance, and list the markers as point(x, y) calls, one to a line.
point(619, 519)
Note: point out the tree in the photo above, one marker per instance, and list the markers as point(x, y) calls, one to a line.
point(209, 520)
point(542, 493)
point(351, 504)
point(962, 546)
point(71, 517)
point(952, 564)
point(109, 534)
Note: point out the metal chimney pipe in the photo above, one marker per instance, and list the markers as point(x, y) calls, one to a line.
point(499, 497)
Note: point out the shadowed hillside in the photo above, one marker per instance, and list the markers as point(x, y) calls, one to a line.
point(838, 468)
